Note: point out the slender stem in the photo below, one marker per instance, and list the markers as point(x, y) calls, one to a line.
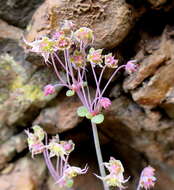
point(101, 74)
point(96, 81)
point(98, 152)
point(61, 163)
point(69, 65)
point(138, 188)
point(59, 60)
point(57, 72)
point(49, 166)
point(67, 70)
point(88, 94)
point(48, 161)
point(115, 72)
point(83, 90)
point(57, 165)
point(80, 95)
point(66, 162)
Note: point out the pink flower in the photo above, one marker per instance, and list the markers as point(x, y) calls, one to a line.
point(63, 42)
point(56, 35)
point(147, 179)
point(84, 34)
point(131, 66)
point(36, 148)
point(115, 177)
point(35, 140)
point(68, 145)
point(78, 59)
point(95, 56)
point(49, 89)
point(105, 102)
point(43, 46)
point(110, 61)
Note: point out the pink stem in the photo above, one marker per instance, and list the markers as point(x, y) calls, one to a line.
point(115, 72)
point(67, 70)
point(83, 91)
point(57, 73)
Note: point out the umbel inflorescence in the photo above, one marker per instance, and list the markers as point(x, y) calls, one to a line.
point(62, 172)
point(71, 50)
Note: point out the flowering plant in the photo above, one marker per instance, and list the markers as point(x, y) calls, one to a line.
point(76, 62)
point(62, 173)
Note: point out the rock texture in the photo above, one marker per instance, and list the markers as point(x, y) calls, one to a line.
point(152, 85)
point(24, 175)
point(110, 20)
point(9, 32)
point(60, 116)
point(18, 12)
point(21, 87)
point(138, 128)
point(9, 149)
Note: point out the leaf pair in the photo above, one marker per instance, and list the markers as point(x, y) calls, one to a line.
point(83, 112)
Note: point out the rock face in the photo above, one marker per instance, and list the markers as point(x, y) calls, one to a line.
point(18, 12)
point(21, 93)
point(8, 31)
point(15, 145)
point(152, 85)
point(157, 3)
point(24, 175)
point(59, 117)
point(21, 87)
point(110, 20)
point(138, 129)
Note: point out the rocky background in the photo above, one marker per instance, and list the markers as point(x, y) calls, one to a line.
point(139, 127)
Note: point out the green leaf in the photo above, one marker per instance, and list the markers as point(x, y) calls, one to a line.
point(69, 183)
point(82, 111)
point(98, 119)
point(70, 93)
point(88, 115)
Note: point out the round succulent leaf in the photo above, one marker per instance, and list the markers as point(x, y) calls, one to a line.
point(69, 183)
point(88, 115)
point(97, 119)
point(82, 111)
point(70, 93)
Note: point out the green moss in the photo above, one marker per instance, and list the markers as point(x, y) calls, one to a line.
point(30, 92)
point(13, 80)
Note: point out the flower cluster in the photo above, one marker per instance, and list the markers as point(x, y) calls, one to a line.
point(73, 44)
point(76, 60)
point(115, 177)
point(35, 139)
point(147, 178)
point(62, 173)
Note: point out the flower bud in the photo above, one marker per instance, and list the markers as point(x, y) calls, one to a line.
point(105, 102)
point(131, 66)
point(49, 89)
point(68, 145)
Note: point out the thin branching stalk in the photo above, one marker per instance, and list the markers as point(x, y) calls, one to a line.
point(98, 152)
